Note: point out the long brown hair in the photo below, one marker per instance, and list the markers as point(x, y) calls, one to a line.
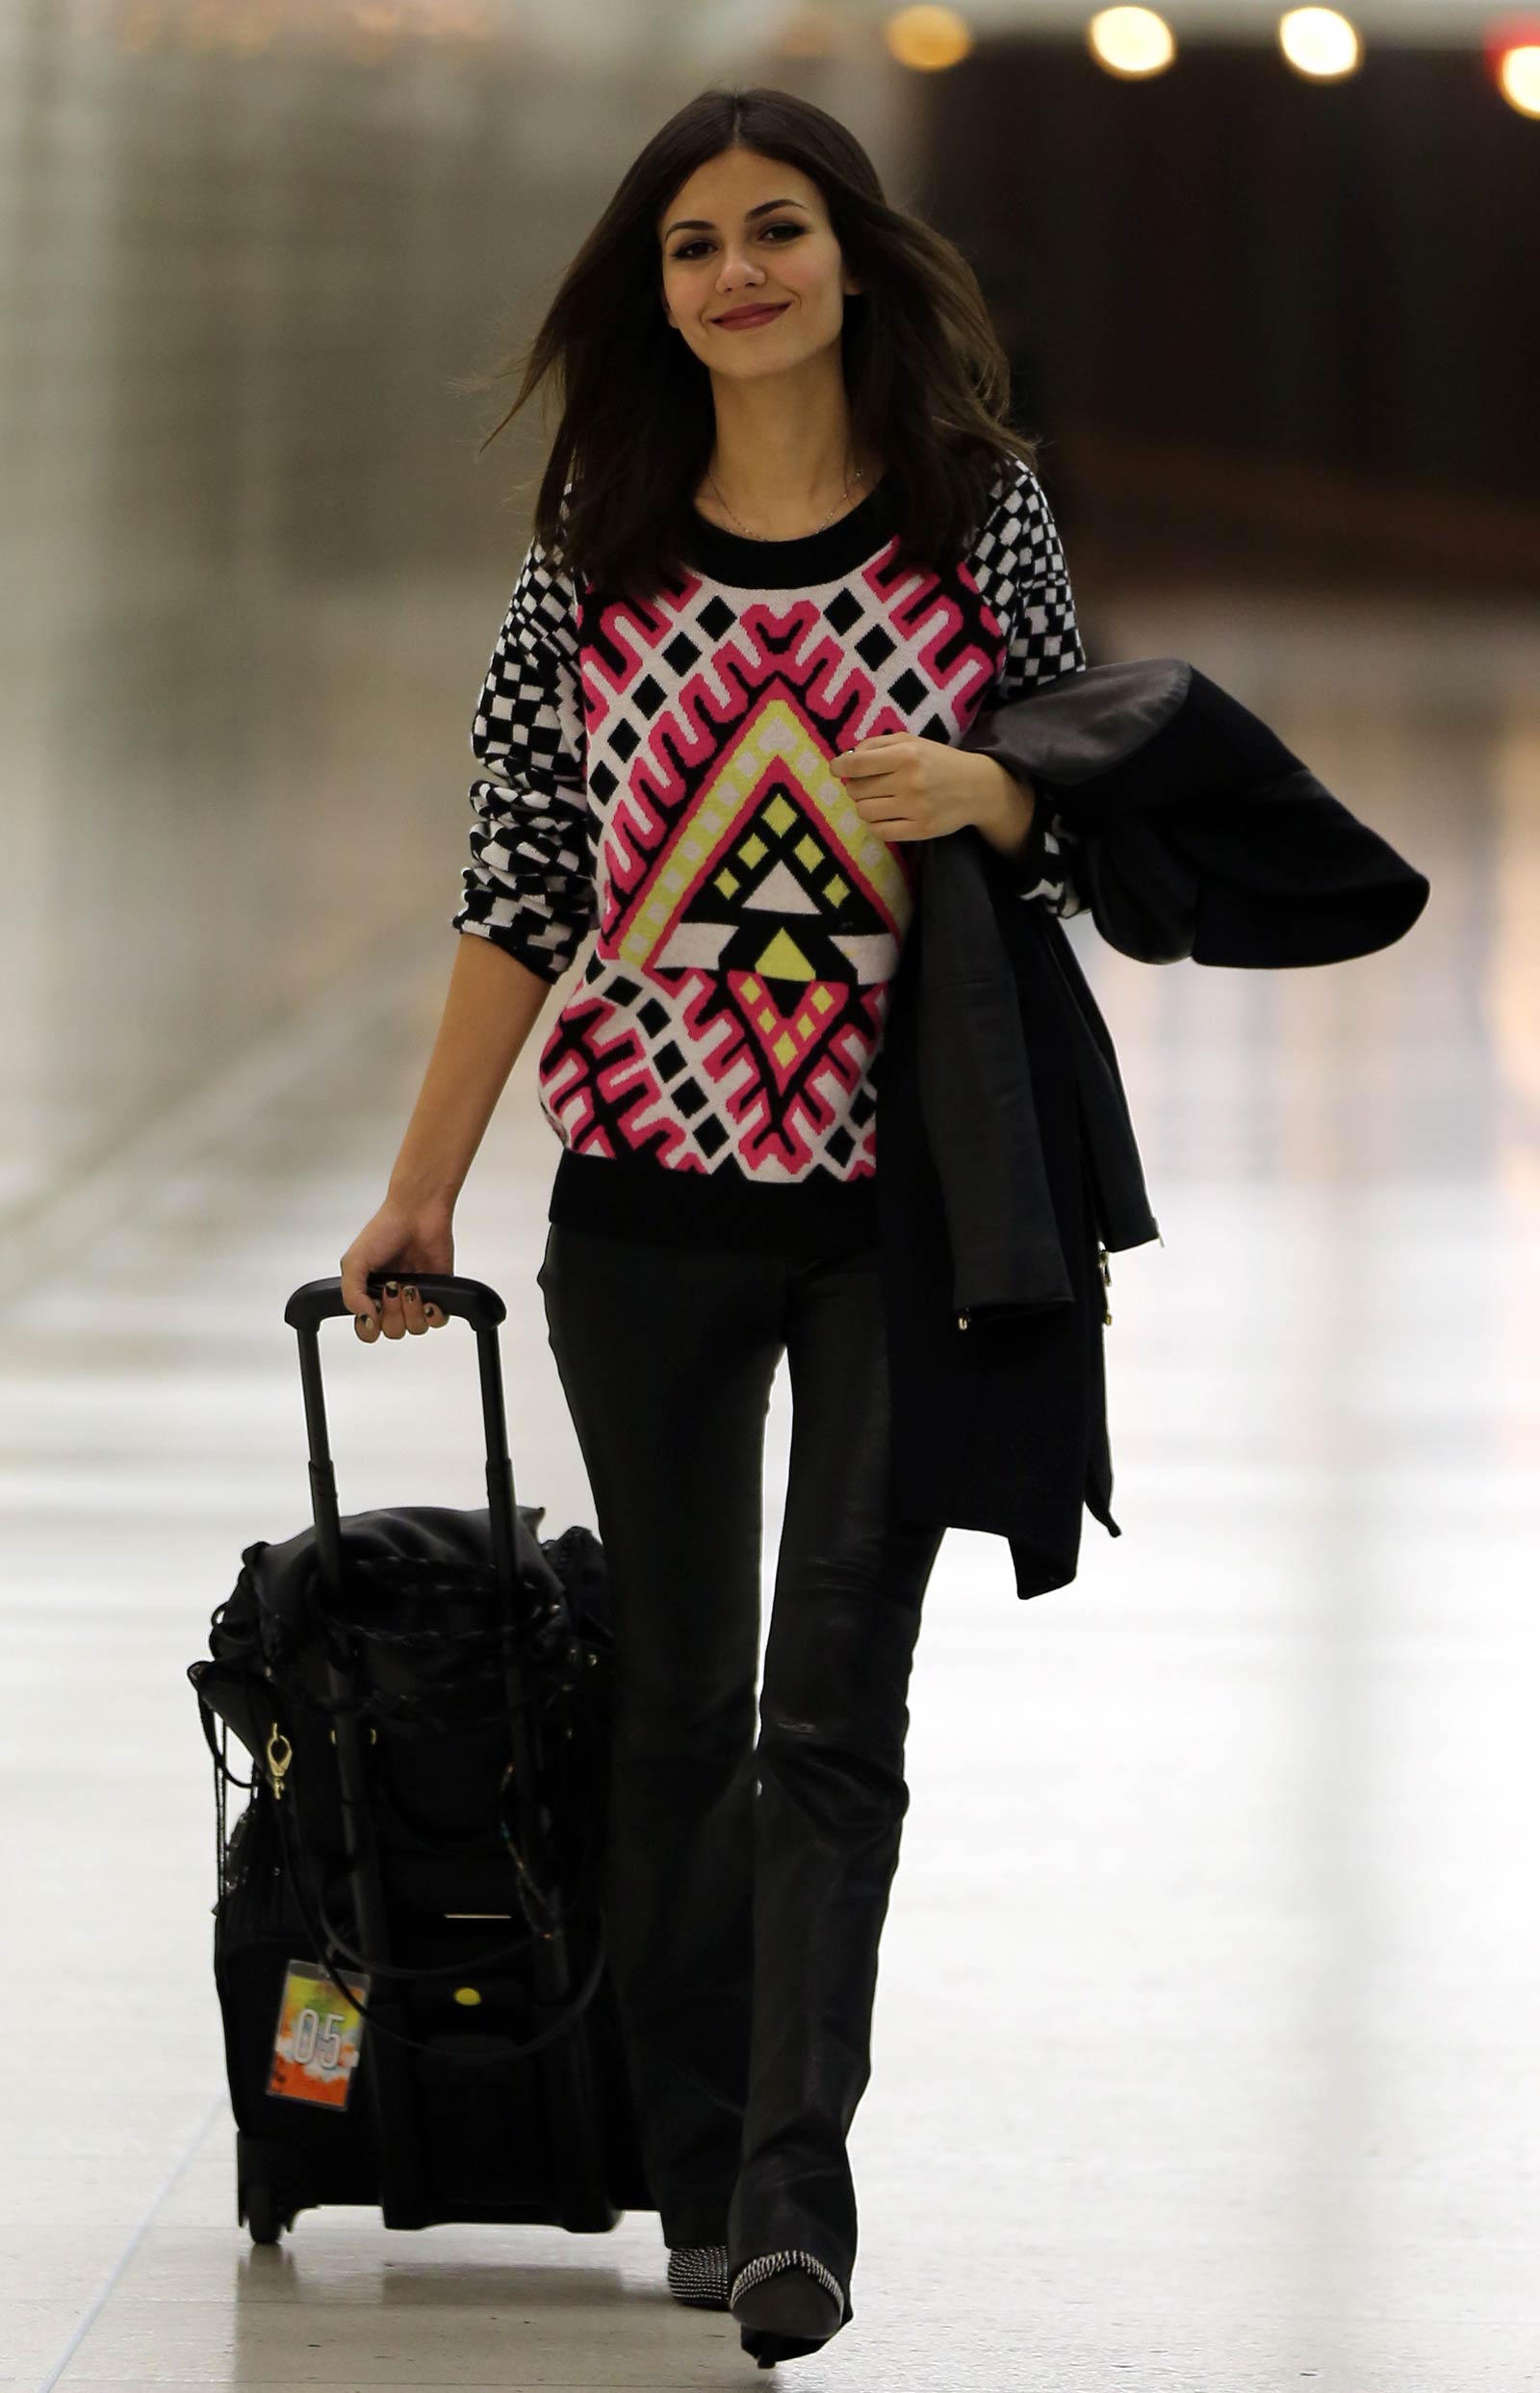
point(926, 376)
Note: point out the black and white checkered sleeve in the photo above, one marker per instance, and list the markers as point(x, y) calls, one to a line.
point(1044, 643)
point(529, 885)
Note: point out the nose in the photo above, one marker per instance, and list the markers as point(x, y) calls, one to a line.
point(734, 270)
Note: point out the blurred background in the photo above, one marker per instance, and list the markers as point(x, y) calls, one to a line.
point(1257, 1981)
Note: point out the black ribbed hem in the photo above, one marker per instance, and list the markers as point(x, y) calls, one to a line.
point(636, 1197)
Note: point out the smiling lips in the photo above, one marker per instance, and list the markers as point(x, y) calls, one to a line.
point(742, 320)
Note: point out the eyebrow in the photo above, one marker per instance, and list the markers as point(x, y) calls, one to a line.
point(704, 223)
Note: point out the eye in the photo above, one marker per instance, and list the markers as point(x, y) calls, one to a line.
point(783, 225)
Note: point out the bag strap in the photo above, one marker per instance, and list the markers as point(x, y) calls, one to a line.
point(324, 1942)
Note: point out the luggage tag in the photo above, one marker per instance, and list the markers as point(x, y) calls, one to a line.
point(316, 2051)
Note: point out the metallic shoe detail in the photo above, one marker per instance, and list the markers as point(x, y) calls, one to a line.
point(771, 2264)
point(698, 2274)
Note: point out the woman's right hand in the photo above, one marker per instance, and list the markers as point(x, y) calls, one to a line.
point(403, 1239)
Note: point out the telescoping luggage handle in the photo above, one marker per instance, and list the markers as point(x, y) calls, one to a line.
point(473, 1301)
point(469, 1300)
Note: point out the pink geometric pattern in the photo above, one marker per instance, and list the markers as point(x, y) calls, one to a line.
point(748, 923)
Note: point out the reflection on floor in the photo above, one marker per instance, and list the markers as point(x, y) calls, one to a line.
point(1204, 2046)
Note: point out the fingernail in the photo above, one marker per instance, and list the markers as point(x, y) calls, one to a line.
point(410, 1294)
point(390, 1288)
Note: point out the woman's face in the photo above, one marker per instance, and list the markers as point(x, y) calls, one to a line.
point(744, 230)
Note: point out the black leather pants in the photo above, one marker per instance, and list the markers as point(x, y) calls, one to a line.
point(746, 1884)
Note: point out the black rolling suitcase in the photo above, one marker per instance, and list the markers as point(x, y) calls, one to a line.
point(408, 1940)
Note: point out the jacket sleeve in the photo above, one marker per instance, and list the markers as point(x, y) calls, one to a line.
point(1043, 644)
point(529, 885)
point(1197, 831)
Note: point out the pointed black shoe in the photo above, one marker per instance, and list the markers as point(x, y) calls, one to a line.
point(788, 2303)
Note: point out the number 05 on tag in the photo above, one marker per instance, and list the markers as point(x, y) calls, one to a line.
point(316, 2050)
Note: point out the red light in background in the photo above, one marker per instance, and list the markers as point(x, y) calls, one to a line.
point(1510, 32)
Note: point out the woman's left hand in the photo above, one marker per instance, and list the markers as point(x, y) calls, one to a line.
point(906, 787)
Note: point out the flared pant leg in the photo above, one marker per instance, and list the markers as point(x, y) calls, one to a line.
point(667, 1358)
point(746, 1883)
point(834, 1719)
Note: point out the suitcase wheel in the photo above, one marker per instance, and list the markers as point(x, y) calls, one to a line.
point(264, 2217)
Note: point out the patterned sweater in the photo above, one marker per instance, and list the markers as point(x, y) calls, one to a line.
point(659, 775)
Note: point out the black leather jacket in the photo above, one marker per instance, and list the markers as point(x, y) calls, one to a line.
point(1007, 1164)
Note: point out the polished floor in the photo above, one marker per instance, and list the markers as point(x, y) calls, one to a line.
point(1205, 2053)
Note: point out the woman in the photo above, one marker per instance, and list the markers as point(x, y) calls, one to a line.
point(784, 549)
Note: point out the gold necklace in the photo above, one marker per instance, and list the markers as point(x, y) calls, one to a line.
point(756, 535)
